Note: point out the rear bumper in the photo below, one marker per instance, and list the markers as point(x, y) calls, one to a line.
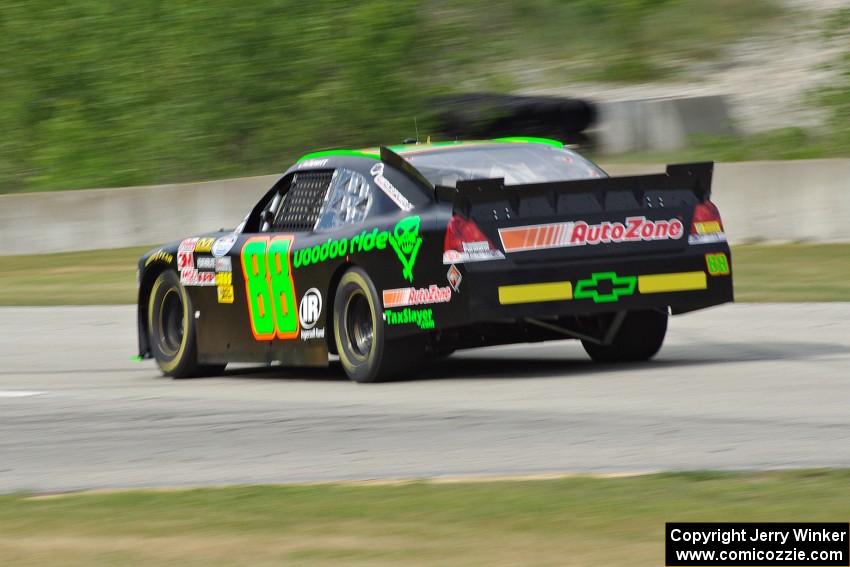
point(683, 281)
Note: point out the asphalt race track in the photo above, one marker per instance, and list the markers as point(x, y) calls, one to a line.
point(740, 386)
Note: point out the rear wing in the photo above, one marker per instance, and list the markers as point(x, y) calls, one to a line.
point(478, 194)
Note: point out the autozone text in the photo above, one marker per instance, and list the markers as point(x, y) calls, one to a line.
point(580, 233)
point(413, 296)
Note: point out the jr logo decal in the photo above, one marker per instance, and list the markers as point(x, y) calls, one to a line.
point(269, 287)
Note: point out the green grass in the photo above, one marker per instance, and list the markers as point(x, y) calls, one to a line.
point(598, 40)
point(108, 94)
point(793, 272)
point(578, 521)
point(72, 278)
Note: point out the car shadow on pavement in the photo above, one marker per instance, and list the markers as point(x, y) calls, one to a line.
point(553, 360)
point(331, 373)
point(675, 356)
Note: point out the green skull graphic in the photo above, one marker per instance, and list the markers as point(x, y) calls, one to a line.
point(406, 241)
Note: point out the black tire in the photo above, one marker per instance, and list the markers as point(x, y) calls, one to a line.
point(171, 329)
point(364, 351)
point(640, 337)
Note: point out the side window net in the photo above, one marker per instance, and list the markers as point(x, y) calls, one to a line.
point(303, 202)
point(347, 202)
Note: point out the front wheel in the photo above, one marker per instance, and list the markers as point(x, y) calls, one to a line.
point(171, 329)
point(639, 338)
point(364, 351)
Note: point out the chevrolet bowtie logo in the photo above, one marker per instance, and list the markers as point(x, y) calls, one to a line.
point(605, 287)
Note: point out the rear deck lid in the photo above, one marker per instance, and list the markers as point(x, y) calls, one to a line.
point(585, 218)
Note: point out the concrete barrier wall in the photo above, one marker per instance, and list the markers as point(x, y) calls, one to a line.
point(129, 216)
point(806, 200)
point(659, 124)
point(778, 201)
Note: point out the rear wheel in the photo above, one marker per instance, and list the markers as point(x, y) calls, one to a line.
point(172, 330)
point(364, 351)
point(639, 338)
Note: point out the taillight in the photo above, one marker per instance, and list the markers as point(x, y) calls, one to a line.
point(706, 225)
point(466, 243)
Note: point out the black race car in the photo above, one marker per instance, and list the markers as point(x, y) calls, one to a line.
point(389, 256)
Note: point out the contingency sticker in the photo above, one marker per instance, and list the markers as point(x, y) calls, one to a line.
point(223, 264)
point(185, 254)
point(192, 277)
point(707, 232)
point(309, 313)
point(472, 252)
point(388, 188)
point(204, 245)
point(159, 256)
point(223, 245)
point(454, 277)
point(225, 293)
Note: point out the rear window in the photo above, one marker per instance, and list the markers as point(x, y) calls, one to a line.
point(517, 163)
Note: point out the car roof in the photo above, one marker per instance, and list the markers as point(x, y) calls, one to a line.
point(411, 149)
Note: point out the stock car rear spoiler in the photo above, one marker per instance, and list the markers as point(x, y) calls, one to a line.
point(391, 158)
point(477, 194)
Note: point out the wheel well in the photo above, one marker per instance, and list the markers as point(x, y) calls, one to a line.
point(331, 295)
point(148, 278)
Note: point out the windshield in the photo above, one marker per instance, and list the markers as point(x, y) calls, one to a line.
point(517, 163)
